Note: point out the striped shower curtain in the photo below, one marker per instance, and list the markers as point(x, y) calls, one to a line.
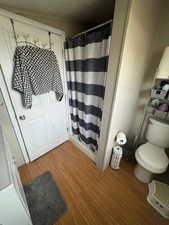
point(86, 65)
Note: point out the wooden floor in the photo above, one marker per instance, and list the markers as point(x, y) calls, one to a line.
point(94, 197)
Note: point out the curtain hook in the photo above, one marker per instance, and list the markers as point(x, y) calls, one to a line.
point(36, 41)
point(50, 46)
point(14, 32)
point(26, 36)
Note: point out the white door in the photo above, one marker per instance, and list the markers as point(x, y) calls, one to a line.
point(44, 126)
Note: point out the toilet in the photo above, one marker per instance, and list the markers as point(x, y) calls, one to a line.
point(151, 157)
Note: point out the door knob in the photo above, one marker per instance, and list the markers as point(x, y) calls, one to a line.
point(23, 117)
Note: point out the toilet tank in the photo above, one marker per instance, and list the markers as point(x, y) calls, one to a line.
point(158, 133)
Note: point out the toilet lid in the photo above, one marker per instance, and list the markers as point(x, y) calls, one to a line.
point(152, 158)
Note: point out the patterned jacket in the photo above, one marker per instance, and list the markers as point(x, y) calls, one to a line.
point(36, 71)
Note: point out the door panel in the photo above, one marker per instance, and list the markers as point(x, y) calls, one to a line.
point(44, 126)
point(37, 142)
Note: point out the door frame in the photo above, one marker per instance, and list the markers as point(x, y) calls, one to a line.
point(4, 87)
point(120, 22)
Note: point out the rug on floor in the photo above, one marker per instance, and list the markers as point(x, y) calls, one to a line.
point(45, 202)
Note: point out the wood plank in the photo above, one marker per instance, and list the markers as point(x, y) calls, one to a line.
point(113, 197)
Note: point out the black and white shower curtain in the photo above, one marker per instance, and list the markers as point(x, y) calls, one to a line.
point(86, 65)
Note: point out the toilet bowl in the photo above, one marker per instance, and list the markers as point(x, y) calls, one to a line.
point(151, 160)
point(151, 157)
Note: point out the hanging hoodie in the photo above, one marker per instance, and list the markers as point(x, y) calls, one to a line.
point(36, 71)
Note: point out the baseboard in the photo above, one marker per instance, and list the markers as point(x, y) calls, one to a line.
point(83, 148)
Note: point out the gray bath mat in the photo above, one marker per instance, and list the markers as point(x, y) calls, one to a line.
point(44, 199)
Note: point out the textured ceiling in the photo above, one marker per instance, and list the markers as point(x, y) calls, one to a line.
point(85, 12)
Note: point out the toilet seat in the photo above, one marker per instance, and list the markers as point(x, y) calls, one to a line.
point(152, 158)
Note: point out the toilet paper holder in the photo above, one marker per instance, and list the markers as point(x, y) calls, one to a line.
point(120, 138)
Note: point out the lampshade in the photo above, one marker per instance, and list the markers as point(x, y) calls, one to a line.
point(163, 69)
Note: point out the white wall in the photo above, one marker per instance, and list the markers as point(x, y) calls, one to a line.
point(160, 41)
point(162, 34)
point(136, 56)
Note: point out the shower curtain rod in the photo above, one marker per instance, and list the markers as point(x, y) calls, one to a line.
point(93, 28)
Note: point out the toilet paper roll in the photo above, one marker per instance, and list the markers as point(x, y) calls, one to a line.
point(121, 138)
